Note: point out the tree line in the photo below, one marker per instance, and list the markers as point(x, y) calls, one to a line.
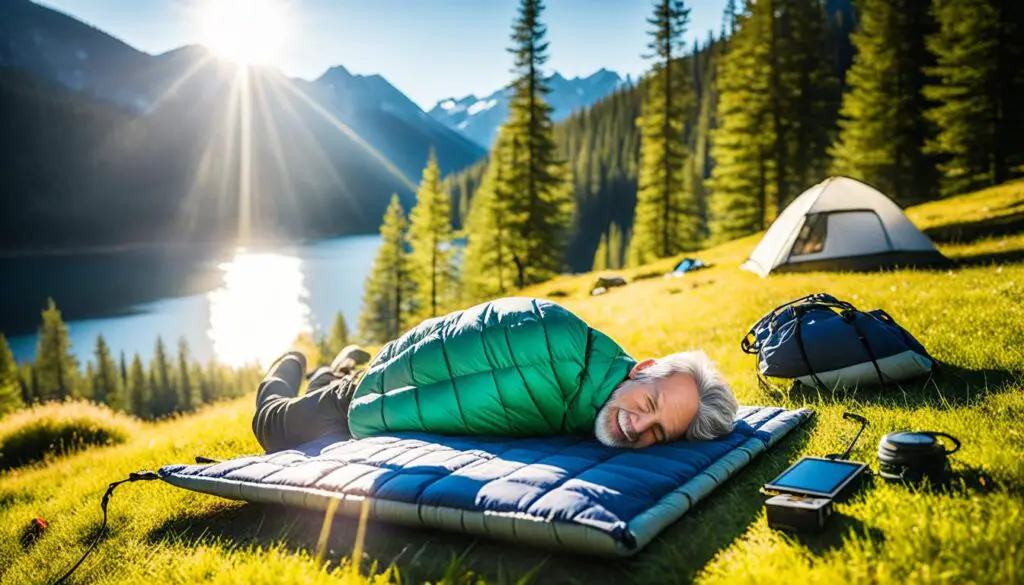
point(172, 381)
point(919, 98)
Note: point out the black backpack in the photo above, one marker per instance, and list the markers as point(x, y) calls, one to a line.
point(824, 342)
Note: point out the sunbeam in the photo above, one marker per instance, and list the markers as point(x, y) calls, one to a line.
point(344, 129)
point(245, 159)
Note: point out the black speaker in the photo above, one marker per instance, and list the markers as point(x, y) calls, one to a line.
point(913, 456)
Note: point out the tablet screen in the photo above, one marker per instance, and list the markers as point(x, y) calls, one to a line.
point(816, 475)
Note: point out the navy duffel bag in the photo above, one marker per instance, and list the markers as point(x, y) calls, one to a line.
point(827, 343)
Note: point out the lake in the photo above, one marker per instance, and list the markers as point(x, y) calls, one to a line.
point(238, 305)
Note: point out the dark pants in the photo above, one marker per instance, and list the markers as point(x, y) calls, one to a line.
point(284, 420)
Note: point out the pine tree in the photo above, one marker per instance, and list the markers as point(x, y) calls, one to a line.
point(189, 397)
point(431, 266)
point(777, 99)
point(882, 131)
point(667, 219)
point(10, 383)
point(729, 19)
point(106, 379)
point(388, 290)
point(138, 389)
point(27, 377)
point(488, 269)
point(742, 142)
point(978, 87)
point(541, 204)
point(616, 247)
point(601, 255)
point(124, 371)
point(85, 389)
point(164, 399)
point(332, 344)
point(56, 370)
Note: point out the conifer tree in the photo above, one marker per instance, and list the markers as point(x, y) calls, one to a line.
point(27, 378)
point(189, 397)
point(541, 204)
point(331, 344)
point(667, 219)
point(431, 267)
point(10, 384)
point(388, 289)
point(601, 254)
point(124, 371)
point(85, 389)
point(138, 389)
point(488, 269)
point(106, 380)
point(978, 90)
point(616, 247)
point(742, 142)
point(882, 130)
point(777, 99)
point(164, 399)
point(56, 369)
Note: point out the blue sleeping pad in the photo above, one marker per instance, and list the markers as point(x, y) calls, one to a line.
point(564, 492)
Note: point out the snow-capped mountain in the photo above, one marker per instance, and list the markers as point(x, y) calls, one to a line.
point(479, 118)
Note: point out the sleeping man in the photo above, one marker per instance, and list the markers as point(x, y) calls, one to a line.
point(510, 367)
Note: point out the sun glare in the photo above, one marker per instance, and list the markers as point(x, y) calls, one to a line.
point(246, 31)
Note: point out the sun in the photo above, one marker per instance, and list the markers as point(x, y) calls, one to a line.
point(245, 31)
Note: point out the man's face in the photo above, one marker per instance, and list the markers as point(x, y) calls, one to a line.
point(642, 412)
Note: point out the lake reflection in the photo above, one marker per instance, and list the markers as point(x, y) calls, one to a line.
point(260, 309)
point(251, 303)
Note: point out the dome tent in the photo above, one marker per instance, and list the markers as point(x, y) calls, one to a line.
point(841, 224)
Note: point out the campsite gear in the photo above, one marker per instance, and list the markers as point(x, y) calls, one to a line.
point(792, 513)
point(826, 343)
point(687, 265)
point(605, 283)
point(563, 492)
point(841, 224)
point(913, 456)
point(803, 493)
point(511, 367)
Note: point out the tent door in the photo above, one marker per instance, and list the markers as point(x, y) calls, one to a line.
point(840, 234)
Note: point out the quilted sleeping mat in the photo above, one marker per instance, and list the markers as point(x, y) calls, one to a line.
point(562, 492)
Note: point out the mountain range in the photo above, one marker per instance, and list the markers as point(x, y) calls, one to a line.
point(105, 144)
point(479, 118)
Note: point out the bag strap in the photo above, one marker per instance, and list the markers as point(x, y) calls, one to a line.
point(803, 352)
point(750, 343)
point(851, 318)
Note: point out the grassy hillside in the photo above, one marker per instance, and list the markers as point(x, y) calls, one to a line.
point(971, 318)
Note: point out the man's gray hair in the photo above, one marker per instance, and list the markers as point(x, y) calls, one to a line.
point(717, 408)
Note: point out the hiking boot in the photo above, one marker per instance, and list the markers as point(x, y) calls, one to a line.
point(349, 359)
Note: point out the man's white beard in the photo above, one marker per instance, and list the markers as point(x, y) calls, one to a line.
point(604, 420)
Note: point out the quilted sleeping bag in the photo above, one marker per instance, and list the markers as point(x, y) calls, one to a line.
point(511, 367)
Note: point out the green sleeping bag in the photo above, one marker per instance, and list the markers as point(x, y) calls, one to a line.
point(511, 367)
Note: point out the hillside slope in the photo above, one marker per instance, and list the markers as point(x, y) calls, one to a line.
point(971, 318)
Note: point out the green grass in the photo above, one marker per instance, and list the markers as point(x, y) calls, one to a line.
point(49, 430)
point(971, 318)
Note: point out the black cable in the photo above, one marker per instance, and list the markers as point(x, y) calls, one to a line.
point(138, 476)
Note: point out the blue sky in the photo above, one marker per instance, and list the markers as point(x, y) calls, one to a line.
point(429, 49)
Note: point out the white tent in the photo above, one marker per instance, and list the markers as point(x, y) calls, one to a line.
point(841, 224)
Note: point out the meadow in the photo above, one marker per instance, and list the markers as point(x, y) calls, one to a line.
point(971, 318)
